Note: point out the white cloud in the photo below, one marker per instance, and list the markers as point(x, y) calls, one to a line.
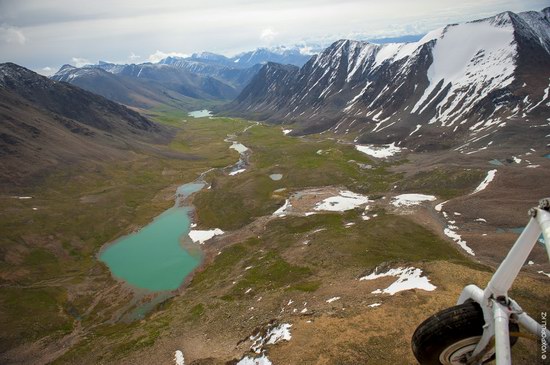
point(46, 71)
point(79, 62)
point(159, 55)
point(134, 57)
point(55, 30)
point(11, 35)
point(268, 35)
point(307, 50)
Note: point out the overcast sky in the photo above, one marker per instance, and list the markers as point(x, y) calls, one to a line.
point(44, 34)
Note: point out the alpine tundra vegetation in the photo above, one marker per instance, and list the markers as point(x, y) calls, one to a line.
point(306, 203)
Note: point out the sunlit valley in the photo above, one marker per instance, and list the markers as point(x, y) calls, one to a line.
point(311, 203)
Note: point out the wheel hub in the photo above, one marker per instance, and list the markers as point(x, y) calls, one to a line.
point(457, 353)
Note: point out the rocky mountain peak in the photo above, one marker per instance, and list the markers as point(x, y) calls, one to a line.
point(15, 77)
point(462, 82)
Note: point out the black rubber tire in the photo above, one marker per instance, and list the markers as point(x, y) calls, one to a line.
point(448, 327)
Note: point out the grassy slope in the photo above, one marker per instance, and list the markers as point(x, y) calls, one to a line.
point(53, 248)
point(236, 201)
point(445, 183)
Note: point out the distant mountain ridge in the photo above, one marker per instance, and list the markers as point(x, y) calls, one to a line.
point(145, 85)
point(458, 85)
point(202, 76)
point(281, 54)
point(285, 55)
point(122, 89)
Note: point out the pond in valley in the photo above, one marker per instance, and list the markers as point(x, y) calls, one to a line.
point(200, 113)
point(153, 258)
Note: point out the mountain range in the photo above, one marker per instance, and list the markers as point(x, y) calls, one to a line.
point(80, 114)
point(175, 80)
point(463, 86)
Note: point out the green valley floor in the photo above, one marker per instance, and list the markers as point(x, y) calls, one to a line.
point(288, 280)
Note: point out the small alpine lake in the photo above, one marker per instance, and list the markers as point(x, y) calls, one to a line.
point(153, 258)
point(200, 113)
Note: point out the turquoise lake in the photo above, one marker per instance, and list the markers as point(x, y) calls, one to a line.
point(153, 258)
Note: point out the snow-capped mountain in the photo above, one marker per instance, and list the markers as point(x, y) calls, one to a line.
point(458, 84)
point(222, 70)
point(203, 75)
point(146, 84)
point(281, 54)
point(210, 57)
point(292, 55)
point(237, 70)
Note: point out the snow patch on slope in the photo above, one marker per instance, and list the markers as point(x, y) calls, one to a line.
point(263, 360)
point(346, 200)
point(439, 206)
point(379, 151)
point(396, 51)
point(408, 200)
point(451, 233)
point(273, 335)
point(178, 358)
point(407, 279)
point(490, 176)
point(282, 211)
point(239, 147)
point(202, 236)
point(236, 172)
point(473, 57)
